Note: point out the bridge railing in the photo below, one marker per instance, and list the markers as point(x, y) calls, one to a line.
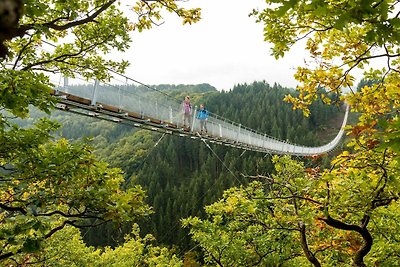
point(148, 102)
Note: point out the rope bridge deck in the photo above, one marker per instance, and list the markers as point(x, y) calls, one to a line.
point(153, 110)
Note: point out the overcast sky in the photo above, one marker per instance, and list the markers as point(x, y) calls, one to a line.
point(225, 48)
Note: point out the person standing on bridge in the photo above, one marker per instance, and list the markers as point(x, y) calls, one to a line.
point(187, 112)
point(202, 116)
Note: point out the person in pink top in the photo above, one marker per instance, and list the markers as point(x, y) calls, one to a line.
point(187, 112)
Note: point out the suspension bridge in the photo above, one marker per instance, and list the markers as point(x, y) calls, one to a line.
point(148, 108)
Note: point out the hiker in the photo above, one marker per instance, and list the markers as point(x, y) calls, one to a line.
point(202, 115)
point(187, 112)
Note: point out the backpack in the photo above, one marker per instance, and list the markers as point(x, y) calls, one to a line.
point(203, 114)
point(187, 108)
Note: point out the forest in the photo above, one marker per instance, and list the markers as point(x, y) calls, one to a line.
point(77, 191)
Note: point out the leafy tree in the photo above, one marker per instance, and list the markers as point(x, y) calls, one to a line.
point(342, 36)
point(137, 251)
point(361, 190)
point(94, 28)
point(364, 83)
point(66, 248)
point(47, 184)
point(297, 217)
point(256, 225)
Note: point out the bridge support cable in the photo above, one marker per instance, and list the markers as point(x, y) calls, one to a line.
point(145, 159)
point(217, 157)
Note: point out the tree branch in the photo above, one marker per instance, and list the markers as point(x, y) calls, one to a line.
point(30, 41)
point(83, 215)
point(62, 58)
point(289, 197)
point(218, 261)
point(362, 230)
point(58, 228)
point(13, 209)
point(149, 14)
point(266, 226)
point(8, 254)
point(52, 24)
point(303, 241)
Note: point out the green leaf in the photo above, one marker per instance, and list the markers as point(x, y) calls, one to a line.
point(282, 10)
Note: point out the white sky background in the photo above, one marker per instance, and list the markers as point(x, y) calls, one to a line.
point(225, 48)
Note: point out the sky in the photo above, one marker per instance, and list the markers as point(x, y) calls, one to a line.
point(224, 49)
